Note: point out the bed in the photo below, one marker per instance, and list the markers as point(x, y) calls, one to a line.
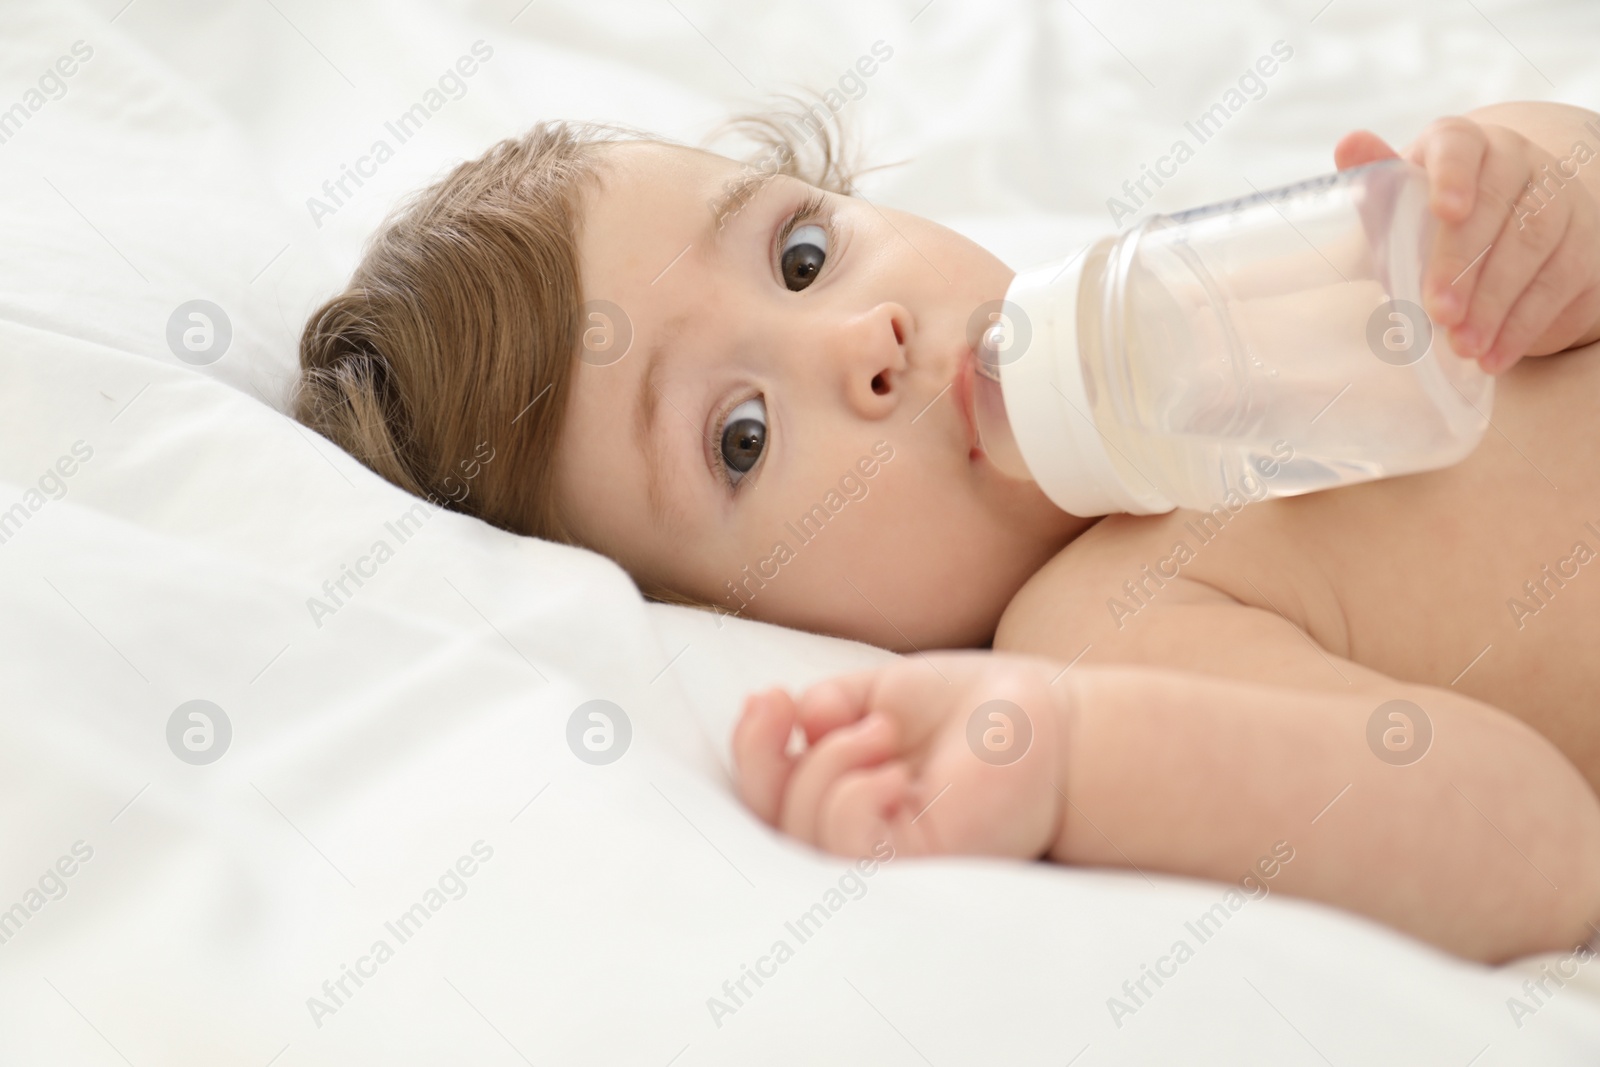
point(247, 821)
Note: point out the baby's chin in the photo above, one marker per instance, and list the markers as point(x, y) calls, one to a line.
point(961, 606)
point(1020, 505)
point(904, 613)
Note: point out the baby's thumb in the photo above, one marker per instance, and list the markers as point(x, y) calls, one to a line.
point(1361, 147)
point(760, 751)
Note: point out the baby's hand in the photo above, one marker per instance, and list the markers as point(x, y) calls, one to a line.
point(1513, 272)
point(957, 752)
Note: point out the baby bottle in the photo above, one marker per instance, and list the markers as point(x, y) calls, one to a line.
point(1261, 347)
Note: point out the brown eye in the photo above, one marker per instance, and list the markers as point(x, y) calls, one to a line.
point(803, 254)
point(744, 435)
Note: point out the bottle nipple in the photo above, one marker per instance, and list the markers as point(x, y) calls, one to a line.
point(990, 345)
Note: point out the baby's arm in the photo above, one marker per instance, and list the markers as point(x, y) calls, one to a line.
point(1489, 846)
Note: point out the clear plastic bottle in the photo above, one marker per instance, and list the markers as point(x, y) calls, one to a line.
point(1263, 347)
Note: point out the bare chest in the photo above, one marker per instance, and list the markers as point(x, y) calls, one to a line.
point(1484, 577)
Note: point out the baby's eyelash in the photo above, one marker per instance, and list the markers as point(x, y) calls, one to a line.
point(812, 209)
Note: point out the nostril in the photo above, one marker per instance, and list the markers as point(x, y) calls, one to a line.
point(880, 384)
point(899, 338)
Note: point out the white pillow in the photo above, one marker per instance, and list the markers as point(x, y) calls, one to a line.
point(422, 725)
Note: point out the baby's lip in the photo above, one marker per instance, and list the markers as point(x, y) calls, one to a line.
point(961, 388)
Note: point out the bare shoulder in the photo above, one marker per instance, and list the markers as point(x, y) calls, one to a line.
point(1082, 596)
point(1072, 587)
point(1158, 591)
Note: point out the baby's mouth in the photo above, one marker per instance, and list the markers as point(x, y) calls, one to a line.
point(963, 388)
point(993, 436)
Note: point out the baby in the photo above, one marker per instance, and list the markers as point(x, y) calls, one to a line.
point(751, 387)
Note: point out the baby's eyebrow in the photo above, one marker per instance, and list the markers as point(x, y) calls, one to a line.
point(735, 194)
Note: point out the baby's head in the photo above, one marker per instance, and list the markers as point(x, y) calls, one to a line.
point(732, 378)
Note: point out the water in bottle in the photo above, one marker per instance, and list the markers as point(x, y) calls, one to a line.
point(1261, 347)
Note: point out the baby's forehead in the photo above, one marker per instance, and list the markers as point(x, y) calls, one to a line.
point(657, 161)
point(643, 191)
point(649, 190)
point(654, 206)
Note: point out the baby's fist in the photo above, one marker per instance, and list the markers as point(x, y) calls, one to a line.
point(956, 752)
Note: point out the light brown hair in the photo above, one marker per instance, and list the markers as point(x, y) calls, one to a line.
point(456, 334)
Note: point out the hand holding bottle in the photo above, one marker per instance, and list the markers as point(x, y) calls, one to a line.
point(1516, 267)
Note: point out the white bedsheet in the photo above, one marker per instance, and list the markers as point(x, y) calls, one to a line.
point(382, 751)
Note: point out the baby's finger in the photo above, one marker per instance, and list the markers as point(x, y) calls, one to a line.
point(1557, 284)
point(912, 691)
point(835, 702)
point(1520, 251)
point(1452, 153)
point(1359, 148)
point(1456, 269)
point(760, 752)
point(861, 744)
point(859, 811)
